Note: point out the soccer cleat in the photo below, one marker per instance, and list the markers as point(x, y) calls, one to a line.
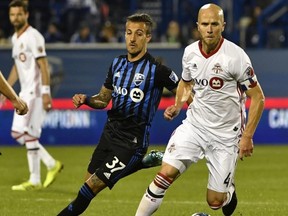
point(231, 206)
point(154, 158)
point(52, 174)
point(26, 186)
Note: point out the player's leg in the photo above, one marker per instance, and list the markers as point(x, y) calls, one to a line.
point(33, 158)
point(180, 153)
point(53, 166)
point(19, 131)
point(155, 192)
point(221, 164)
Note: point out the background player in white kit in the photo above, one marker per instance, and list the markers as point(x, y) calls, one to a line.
point(222, 76)
point(31, 68)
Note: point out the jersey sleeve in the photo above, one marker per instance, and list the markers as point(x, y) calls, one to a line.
point(186, 74)
point(245, 74)
point(37, 45)
point(109, 79)
point(166, 77)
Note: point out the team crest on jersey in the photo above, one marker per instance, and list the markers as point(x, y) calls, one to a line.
point(22, 57)
point(138, 79)
point(216, 83)
point(217, 68)
point(173, 77)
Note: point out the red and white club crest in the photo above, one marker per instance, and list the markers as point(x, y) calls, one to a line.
point(22, 57)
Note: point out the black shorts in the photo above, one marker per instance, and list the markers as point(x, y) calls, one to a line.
point(117, 154)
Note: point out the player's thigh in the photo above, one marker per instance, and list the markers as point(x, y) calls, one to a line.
point(119, 163)
point(221, 164)
point(184, 147)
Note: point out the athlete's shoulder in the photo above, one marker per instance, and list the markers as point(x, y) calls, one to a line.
point(232, 47)
point(33, 32)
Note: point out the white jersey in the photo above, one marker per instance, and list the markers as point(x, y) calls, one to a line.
point(27, 47)
point(220, 79)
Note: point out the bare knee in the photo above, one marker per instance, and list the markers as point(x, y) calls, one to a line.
point(215, 199)
point(169, 171)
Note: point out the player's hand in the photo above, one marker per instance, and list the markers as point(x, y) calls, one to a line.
point(78, 100)
point(47, 102)
point(20, 106)
point(246, 147)
point(171, 112)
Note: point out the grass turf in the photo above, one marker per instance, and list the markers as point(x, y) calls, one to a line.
point(261, 183)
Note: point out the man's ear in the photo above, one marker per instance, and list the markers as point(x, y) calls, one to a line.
point(223, 27)
point(148, 38)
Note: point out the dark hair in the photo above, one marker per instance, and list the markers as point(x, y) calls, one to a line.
point(143, 17)
point(19, 3)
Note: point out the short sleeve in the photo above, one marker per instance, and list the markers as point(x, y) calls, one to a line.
point(37, 45)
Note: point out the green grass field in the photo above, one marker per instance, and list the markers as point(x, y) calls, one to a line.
point(262, 186)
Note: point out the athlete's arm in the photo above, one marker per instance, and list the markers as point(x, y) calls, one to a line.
point(13, 76)
point(45, 76)
point(255, 111)
point(98, 101)
point(183, 95)
point(7, 91)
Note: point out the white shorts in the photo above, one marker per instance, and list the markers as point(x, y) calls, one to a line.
point(189, 144)
point(32, 121)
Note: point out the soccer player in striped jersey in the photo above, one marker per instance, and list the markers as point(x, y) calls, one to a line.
point(134, 84)
point(31, 70)
point(222, 76)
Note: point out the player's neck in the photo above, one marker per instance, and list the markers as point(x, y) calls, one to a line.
point(21, 30)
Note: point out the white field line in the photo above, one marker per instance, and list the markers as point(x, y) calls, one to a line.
point(167, 202)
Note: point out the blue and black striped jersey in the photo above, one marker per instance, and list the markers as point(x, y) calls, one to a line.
point(137, 86)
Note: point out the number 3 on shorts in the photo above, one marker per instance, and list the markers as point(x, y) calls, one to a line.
point(115, 165)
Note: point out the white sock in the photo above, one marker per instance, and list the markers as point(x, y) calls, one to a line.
point(153, 196)
point(33, 162)
point(46, 158)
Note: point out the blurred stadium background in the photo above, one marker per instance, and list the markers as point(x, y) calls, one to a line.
point(259, 27)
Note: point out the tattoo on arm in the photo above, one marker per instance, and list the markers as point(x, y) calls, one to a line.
point(101, 100)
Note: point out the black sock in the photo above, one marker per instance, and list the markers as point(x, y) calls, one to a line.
point(79, 205)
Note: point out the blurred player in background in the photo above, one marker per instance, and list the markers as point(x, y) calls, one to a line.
point(31, 68)
point(222, 76)
point(19, 105)
point(134, 83)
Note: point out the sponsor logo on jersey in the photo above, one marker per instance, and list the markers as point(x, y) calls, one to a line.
point(201, 82)
point(216, 83)
point(217, 68)
point(136, 95)
point(138, 79)
point(173, 77)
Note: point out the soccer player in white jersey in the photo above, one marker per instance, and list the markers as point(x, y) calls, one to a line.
point(215, 128)
point(31, 68)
